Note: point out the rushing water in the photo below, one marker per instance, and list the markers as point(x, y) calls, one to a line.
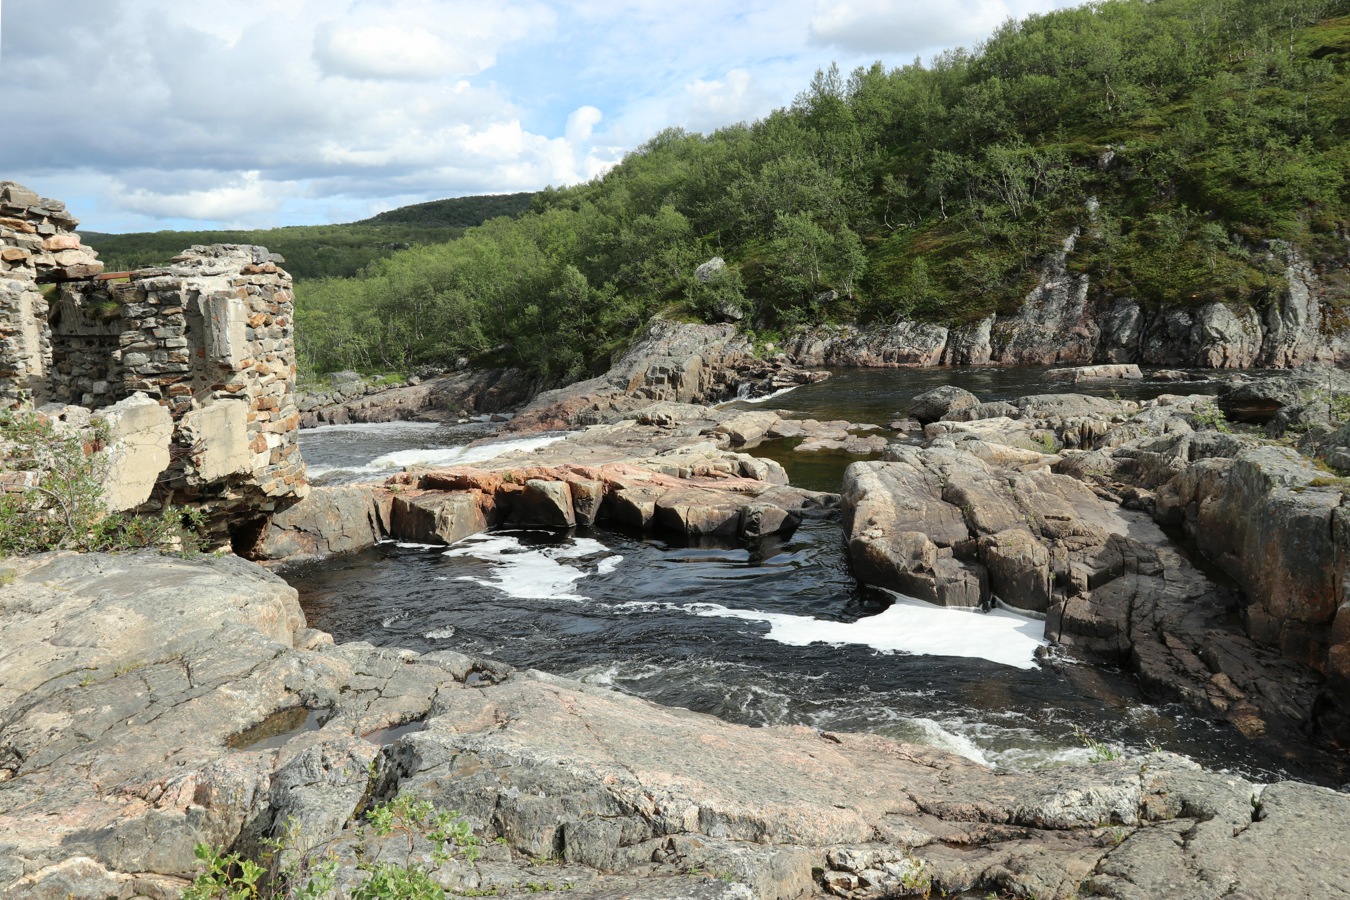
point(775, 633)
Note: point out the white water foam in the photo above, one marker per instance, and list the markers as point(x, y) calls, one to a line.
point(528, 573)
point(379, 427)
point(440, 633)
point(435, 457)
point(933, 734)
point(457, 456)
point(908, 626)
point(765, 399)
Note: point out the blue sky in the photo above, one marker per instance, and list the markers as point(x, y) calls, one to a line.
point(154, 114)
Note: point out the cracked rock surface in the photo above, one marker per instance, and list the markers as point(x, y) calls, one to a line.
point(149, 702)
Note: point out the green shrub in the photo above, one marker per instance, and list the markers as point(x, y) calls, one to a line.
point(285, 872)
point(61, 506)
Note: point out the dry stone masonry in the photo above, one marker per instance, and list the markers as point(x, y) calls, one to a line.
point(37, 244)
point(209, 338)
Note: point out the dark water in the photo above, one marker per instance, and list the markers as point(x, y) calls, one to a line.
point(881, 396)
point(728, 629)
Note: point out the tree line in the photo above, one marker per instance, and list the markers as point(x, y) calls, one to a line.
point(1175, 137)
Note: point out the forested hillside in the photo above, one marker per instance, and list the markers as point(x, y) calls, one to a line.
point(1176, 135)
point(311, 251)
point(319, 251)
point(457, 212)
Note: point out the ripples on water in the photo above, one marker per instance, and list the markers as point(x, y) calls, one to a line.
point(741, 632)
point(728, 631)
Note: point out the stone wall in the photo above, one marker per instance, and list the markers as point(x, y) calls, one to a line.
point(37, 245)
point(208, 337)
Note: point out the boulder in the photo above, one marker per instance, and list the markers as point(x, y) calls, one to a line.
point(430, 517)
point(1093, 373)
point(545, 504)
point(331, 520)
point(139, 432)
point(695, 511)
point(709, 270)
point(937, 402)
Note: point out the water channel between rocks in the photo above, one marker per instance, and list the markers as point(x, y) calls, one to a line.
point(772, 634)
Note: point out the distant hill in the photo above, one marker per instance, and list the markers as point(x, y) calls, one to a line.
point(457, 212)
point(1181, 143)
point(320, 251)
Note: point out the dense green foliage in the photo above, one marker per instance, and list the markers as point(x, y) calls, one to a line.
point(457, 212)
point(1176, 136)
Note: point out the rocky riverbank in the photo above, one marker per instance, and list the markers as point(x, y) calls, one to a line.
point(1054, 503)
point(151, 703)
point(1063, 322)
point(136, 687)
point(673, 361)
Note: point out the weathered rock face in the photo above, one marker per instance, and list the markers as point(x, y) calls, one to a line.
point(1055, 323)
point(130, 733)
point(699, 490)
point(436, 399)
point(945, 526)
point(971, 516)
point(677, 362)
point(1063, 322)
point(905, 344)
point(1299, 397)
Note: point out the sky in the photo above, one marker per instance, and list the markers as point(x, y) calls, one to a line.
point(193, 114)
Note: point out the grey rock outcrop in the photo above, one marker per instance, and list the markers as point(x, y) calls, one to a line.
point(132, 730)
point(1063, 321)
point(973, 516)
point(677, 362)
point(937, 402)
point(444, 398)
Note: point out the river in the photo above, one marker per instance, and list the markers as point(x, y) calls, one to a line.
point(771, 634)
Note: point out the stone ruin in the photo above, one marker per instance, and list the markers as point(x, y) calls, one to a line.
point(192, 365)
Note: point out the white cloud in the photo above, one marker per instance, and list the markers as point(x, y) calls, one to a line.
point(735, 97)
point(242, 197)
point(157, 113)
point(906, 26)
point(581, 123)
point(421, 40)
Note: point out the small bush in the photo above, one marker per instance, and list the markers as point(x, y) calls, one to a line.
point(285, 873)
point(60, 505)
point(1209, 416)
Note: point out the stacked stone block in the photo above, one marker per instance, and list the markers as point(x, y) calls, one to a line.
point(37, 244)
point(209, 337)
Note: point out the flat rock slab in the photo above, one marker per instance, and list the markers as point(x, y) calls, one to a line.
point(1094, 373)
point(134, 688)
